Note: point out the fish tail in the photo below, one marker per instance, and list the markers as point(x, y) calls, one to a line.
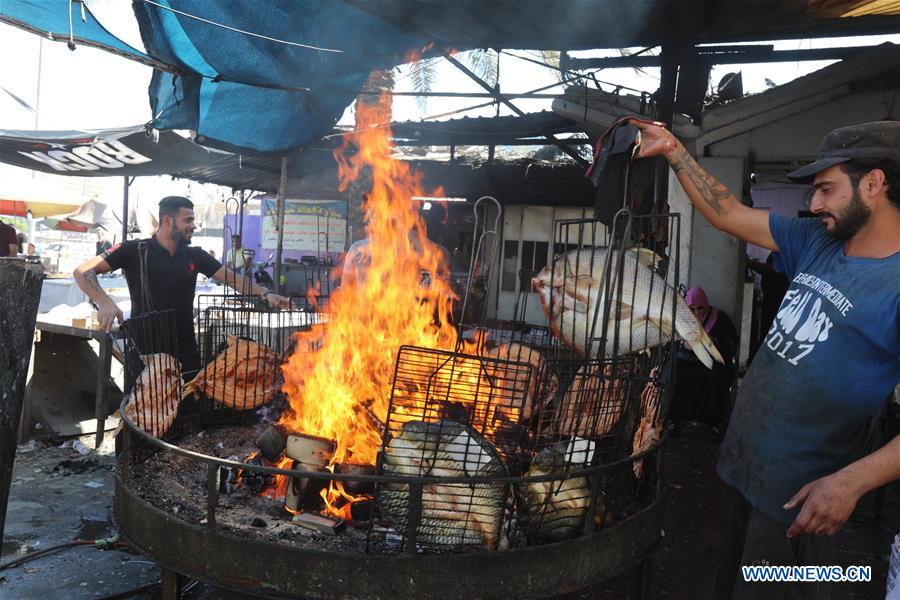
point(705, 350)
point(700, 343)
point(189, 388)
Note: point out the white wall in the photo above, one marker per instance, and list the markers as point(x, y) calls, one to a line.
point(717, 259)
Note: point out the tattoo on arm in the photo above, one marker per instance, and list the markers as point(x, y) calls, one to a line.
point(91, 279)
point(710, 190)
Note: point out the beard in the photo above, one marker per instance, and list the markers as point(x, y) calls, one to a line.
point(180, 237)
point(851, 219)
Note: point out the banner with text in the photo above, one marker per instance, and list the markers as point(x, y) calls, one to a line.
point(315, 226)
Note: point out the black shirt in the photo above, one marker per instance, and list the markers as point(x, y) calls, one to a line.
point(171, 279)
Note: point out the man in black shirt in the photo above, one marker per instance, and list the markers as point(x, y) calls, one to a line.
point(162, 273)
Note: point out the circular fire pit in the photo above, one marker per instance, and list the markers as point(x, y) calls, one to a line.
point(202, 541)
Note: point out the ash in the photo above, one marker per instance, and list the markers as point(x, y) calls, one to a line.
point(177, 485)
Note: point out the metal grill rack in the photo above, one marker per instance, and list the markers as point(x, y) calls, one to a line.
point(242, 345)
point(320, 282)
point(514, 439)
point(153, 377)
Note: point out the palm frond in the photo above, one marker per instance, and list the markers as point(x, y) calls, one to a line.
point(483, 63)
point(422, 75)
point(551, 58)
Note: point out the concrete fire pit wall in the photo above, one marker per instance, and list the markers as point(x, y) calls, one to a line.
point(20, 294)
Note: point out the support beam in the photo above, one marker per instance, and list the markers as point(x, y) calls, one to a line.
point(501, 98)
point(279, 220)
point(721, 55)
point(665, 112)
point(125, 186)
point(242, 200)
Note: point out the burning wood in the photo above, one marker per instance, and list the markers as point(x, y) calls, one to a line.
point(256, 481)
point(271, 443)
point(309, 454)
point(320, 523)
point(357, 488)
point(314, 452)
point(242, 376)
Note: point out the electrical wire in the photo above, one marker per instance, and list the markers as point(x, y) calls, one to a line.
point(110, 542)
point(241, 31)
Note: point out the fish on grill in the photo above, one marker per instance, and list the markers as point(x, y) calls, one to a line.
point(538, 391)
point(243, 376)
point(453, 514)
point(153, 401)
point(593, 404)
point(649, 430)
point(555, 510)
point(572, 291)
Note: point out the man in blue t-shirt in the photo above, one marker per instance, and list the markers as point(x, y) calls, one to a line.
point(829, 360)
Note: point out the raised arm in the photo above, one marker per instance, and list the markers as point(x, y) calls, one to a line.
point(86, 278)
point(708, 196)
point(245, 285)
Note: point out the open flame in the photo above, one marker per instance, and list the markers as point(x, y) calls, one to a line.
point(339, 381)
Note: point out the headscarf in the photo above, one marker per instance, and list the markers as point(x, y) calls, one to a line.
point(697, 297)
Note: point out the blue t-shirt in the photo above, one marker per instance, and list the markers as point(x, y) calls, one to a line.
point(828, 362)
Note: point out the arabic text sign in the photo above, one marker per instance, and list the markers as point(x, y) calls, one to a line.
point(307, 225)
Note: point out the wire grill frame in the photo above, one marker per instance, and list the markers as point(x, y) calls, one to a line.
point(153, 373)
point(242, 345)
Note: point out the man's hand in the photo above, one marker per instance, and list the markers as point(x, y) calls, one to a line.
point(827, 504)
point(276, 300)
point(107, 313)
point(656, 140)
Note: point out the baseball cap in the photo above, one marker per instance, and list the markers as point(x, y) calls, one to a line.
point(878, 140)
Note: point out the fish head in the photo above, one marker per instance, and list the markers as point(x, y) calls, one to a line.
point(543, 279)
point(549, 460)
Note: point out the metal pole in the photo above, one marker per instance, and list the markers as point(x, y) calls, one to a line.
point(241, 216)
point(20, 294)
point(279, 223)
point(125, 187)
point(665, 112)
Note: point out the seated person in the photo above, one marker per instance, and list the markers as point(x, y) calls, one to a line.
point(705, 394)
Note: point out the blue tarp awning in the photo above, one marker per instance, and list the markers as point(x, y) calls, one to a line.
point(251, 76)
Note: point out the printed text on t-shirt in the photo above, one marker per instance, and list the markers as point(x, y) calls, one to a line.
point(803, 319)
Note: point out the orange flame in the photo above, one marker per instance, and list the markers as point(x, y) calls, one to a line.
point(278, 489)
point(341, 375)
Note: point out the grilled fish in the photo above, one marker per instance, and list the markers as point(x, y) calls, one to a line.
point(453, 514)
point(572, 291)
point(153, 401)
point(649, 430)
point(521, 353)
point(243, 376)
point(555, 510)
point(592, 405)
